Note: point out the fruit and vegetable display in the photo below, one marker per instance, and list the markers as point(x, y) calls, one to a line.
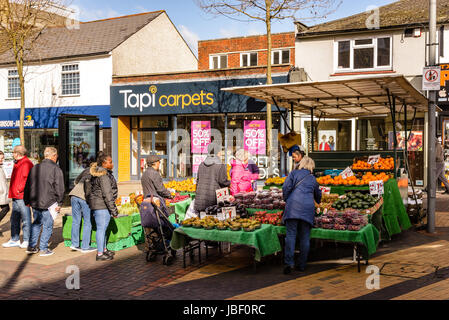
point(381, 164)
point(240, 209)
point(210, 223)
point(182, 186)
point(356, 201)
point(350, 219)
point(268, 218)
point(326, 202)
point(268, 199)
point(355, 180)
point(176, 199)
point(128, 209)
point(134, 199)
point(275, 181)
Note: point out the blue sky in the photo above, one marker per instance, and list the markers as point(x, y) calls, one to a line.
point(196, 25)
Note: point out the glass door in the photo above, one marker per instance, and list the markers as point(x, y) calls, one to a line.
point(154, 143)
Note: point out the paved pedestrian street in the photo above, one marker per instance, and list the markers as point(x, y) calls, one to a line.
point(413, 266)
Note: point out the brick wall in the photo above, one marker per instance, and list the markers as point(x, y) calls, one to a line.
point(244, 44)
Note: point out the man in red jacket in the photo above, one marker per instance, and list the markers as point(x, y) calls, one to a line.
point(20, 212)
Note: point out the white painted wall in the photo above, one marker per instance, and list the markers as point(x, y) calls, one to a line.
point(157, 48)
point(316, 55)
point(41, 81)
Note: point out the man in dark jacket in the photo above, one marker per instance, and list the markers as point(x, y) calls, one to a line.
point(20, 212)
point(44, 189)
point(152, 183)
point(212, 175)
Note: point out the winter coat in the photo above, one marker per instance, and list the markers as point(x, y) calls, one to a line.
point(44, 186)
point(19, 178)
point(300, 200)
point(212, 175)
point(439, 154)
point(3, 187)
point(104, 190)
point(78, 189)
point(241, 177)
point(153, 185)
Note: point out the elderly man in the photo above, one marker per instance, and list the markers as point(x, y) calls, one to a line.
point(152, 183)
point(20, 212)
point(44, 192)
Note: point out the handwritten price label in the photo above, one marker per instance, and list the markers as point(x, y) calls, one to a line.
point(126, 200)
point(376, 187)
point(374, 159)
point(229, 213)
point(347, 173)
point(222, 194)
point(325, 190)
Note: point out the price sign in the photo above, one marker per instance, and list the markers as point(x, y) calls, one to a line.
point(374, 159)
point(347, 173)
point(229, 213)
point(126, 200)
point(222, 195)
point(202, 215)
point(325, 190)
point(376, 187)
point(221, 216)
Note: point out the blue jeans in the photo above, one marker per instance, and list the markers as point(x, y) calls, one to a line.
point(80, 209)
point(42, 219)
point(295, 226)
point(102, 218)
point(20, 213)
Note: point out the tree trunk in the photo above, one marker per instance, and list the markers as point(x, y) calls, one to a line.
point(269, 81)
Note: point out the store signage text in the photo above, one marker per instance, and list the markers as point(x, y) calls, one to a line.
point(255, 136)
point(201, 136)
point(16, 124)
point(145, 100)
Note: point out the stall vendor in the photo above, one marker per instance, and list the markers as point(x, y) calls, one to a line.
point(297, 153)
point(152, 183)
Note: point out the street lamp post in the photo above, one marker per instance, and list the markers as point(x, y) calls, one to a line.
point(431, 184)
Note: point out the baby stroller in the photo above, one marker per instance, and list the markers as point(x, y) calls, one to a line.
point(158, 230)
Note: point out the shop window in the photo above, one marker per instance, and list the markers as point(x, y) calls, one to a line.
point(218, 62)
point(154, 123)
point(364, 54)
point(330, 135)
point(280, 56)
point(70, 80)
point(14, 90)
point(248, 59)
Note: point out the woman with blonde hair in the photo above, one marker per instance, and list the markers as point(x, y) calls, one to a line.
point(300, 191)
point(242, 173)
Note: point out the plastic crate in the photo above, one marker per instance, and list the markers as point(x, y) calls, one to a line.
point(332, 173)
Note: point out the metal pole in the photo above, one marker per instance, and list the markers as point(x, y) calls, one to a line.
point(313, 138)
point(293, 118)
point(431, 185)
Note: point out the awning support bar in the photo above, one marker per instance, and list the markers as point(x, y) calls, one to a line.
point(282, 114)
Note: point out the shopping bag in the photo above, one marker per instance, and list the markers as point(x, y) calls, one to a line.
point(191, 213)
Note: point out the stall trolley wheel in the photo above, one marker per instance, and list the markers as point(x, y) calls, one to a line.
point(168, 260)
point(151, 256)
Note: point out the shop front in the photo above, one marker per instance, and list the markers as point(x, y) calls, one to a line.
point(41, 129)
point(178, 120)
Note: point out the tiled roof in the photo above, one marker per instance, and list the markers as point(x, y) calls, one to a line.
point(95, 37)
point(399, 13)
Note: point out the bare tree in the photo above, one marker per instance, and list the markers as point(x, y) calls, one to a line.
point(268, 11)
point(22, 22)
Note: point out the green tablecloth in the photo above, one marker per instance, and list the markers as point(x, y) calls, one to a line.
point(119, 228)
point(265, 240)
point(394, 214)
point(279, 186)
point(180, 210)
point(368, 236)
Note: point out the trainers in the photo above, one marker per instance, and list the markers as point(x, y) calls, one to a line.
point(31, 250)
point(24, 245)
point(109, 253)
point(90, 249)
point(75, 248)
point(46, 253)
point(287, 269)
point(11, 244)
point(103, 257)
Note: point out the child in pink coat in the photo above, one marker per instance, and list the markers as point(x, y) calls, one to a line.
point(241, 175)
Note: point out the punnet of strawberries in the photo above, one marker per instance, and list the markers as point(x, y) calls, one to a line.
point(268, 218)
point(178, 198)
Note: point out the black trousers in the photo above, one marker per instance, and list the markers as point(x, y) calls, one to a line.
point(4, 209)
